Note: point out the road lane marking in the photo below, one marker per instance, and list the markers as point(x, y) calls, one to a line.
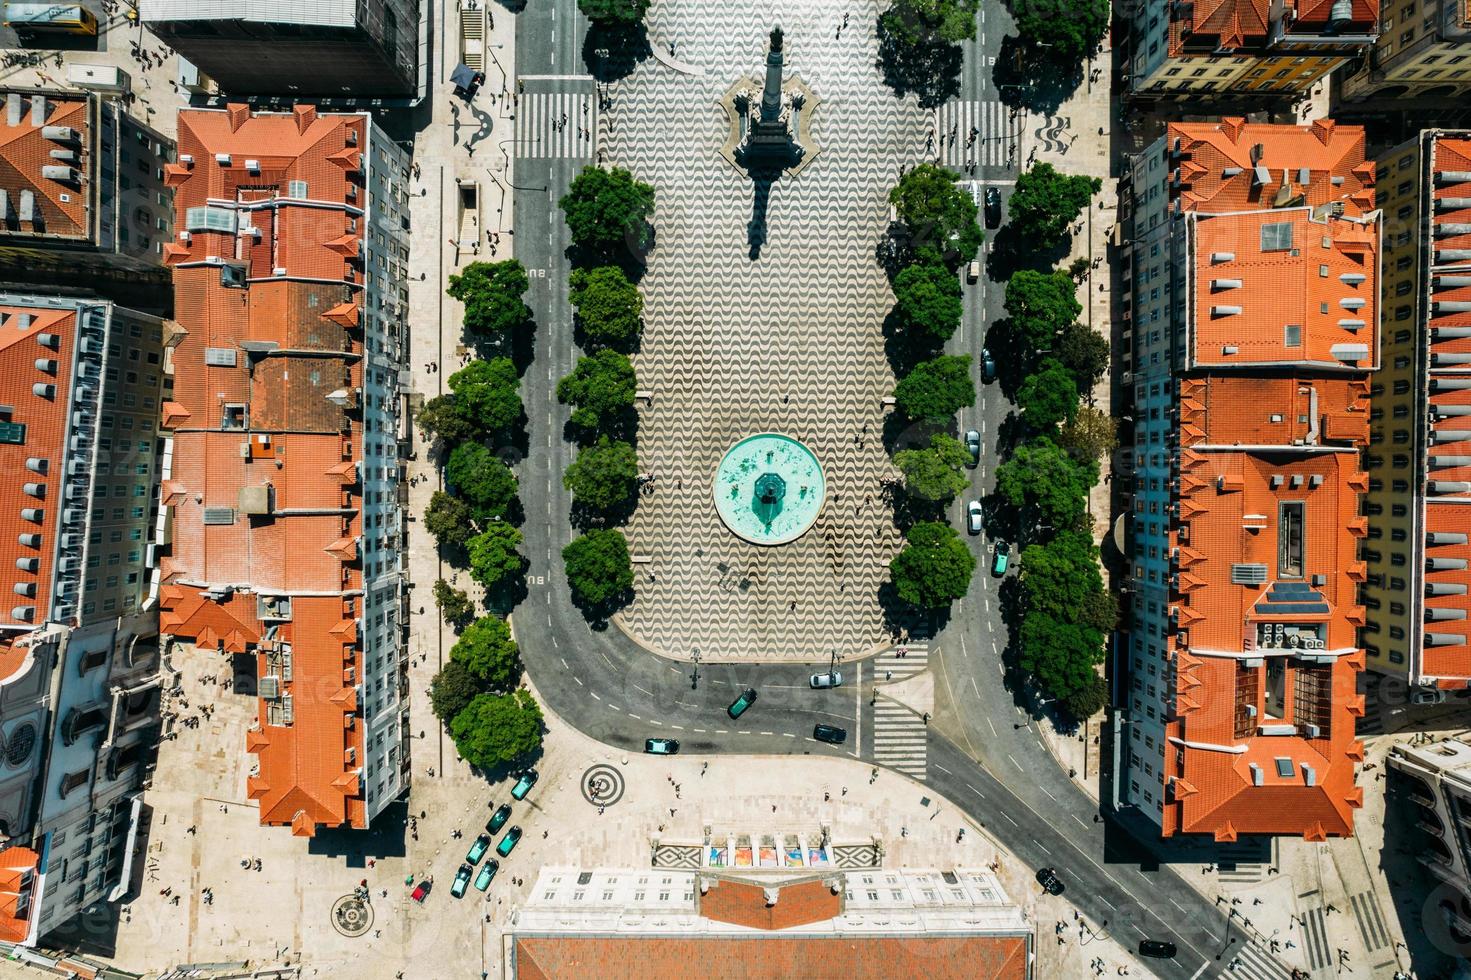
point(722, 731)
point(677, 727)
point(700, 730)
point(975, 791)
point(1085, 827)
point(1015, 763)
point(1047, 791)
point(942, 769)
point(768, 733)
point(595, 696)
point(1008, 818)
point(578, 680)
point(564, 663)
point(632, 715)
point(637, 688)
point(993, 727)
point(614, 706)
point(652, 721)
point(788, 735)
point(1198, 972)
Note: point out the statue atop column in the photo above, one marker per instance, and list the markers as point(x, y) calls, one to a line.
point(768, 136)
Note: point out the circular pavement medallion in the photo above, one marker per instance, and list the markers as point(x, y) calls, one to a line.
point(352, 916)
point(769, 488)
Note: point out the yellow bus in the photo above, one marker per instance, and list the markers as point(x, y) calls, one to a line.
point(60, 18)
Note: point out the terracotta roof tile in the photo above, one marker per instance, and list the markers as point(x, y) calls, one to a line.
point(61, 205)
point(745, 904)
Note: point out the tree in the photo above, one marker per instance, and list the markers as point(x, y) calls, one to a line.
point(487, 393)
point(494, 558)
point(1062, 656)
point(1059, 576)
point(939, 217)
point(491, 292)
point(441, 416)
point(489, 654)
point(1048, 396)
point(936, 389)
point(918, 21)
point(451, 690)
point(604, 475)
point(1070, 30)
point(454, 604)
point(935, 473)
point(617, 12)
point(1041, 475)
point(600, 388)
point(1045, 204)
point(482, 479)
point(1088, 699)
point(449, 519)
point(1084, 352)
point(935, 567)
point(1091, 434)
point(497, 728)
point(1040, 305)
point(607, 210)
point(598, 567)
point(609, 307)
point(928, 302)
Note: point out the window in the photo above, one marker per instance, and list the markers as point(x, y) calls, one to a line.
point(1277, 236)
point(1290, 539)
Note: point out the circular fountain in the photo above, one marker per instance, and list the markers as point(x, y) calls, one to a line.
point(769, 488)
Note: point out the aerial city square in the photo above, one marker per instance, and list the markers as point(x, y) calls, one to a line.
point(783, 489)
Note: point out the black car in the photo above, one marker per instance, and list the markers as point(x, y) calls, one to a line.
point(830, 734)
point(993, 207)
point(1157, 948)
point(1049, 881)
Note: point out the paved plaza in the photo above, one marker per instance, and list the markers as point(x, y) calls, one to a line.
point(790, 342)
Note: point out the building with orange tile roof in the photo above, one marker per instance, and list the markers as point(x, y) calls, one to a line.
point(1253, 322)
point(82, 197)
point(1419, 501)
point(1426, 57)
point(1272, 48)
point(81, 381)
point(871, 923)
point(283, 481)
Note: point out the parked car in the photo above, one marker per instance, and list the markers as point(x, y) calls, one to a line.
point(739, 705)
point(661, 746)
point(974, 516)
point(1050, 882)
point(973, 446)
point(832, 678)
point(478, 849)
point(1427, 695)
point(487, 874)
point(993, 207)
point(988, 367)
point(498, 819)
point(421, 890)
point(830, 734)
point(1000, 557)
point(508, 842)
point(462, 878)
point(524, 784)
point(1157, 948)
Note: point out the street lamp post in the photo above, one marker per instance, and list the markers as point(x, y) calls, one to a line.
point(506, 168)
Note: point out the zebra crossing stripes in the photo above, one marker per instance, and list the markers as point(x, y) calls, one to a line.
point(994, 134)
point(1371, 923)
point(1255, 963)
point(1242, 873)
point(555, 124)
point(1315, 938)
point(900, 739)
point(905, 660)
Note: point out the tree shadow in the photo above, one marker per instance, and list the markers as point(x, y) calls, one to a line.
point(517, 346)
point(621, 427)
point(630, 255)
point(613, 51)
point(585, 517)
point(901, 618)
point(1026, 76)
point(629, 346)
point(599, 614)
point(1010, 254)
point(760, 199)
point(508, 595)
point(894, 251)
point(903, 349)
point(930, 70)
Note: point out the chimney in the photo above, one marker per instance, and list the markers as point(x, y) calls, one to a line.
point(305, 116)
point(1232, 126)
point(12, 109)
point(237, 112)
point(1323, 129)
point(38, 111)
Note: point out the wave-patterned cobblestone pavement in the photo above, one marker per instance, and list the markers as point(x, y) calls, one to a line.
point(790, 342)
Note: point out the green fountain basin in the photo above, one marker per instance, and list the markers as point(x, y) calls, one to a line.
point(769, 489)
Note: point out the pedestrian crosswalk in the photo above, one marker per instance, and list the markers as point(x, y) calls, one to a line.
point(1371, 923)
point(1254, 963)
point(556, 124)
point(1315, 938)
point(900, 739)
point(899, 662)
point(973, 133)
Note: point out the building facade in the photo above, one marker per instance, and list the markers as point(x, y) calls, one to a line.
point(1436, 779)
point(1423, 52)
point(1262, 47)
point(331, 48)
point(82, 197)
point(654, 922)
point(1419, 501)
point(1252, 324)
point(79, 655)
point(285, 528)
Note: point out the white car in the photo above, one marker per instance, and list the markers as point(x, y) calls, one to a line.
point(973, 517)
point(832, 678)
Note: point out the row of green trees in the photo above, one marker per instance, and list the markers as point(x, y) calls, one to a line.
point(1069, 29)
point(477, 695)
point(937, 233)
point(607, 214)
point(1066, 612)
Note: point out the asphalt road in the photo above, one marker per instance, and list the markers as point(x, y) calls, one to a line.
point(983, 750)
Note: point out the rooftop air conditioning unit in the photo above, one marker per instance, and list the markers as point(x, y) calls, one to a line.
point(252, 166)
point(223, 159)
